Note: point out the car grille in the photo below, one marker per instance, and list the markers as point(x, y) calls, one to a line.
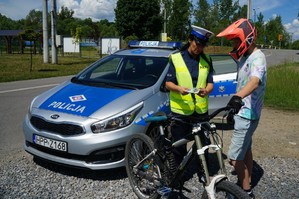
point(103, 156)
point(63, 129)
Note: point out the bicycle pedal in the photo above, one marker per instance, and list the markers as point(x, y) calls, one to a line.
point(164, 191)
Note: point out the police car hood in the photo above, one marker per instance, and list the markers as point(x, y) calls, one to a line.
point(94, 102)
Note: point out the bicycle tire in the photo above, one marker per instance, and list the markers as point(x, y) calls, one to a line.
point(137, 148)
point(226, 190)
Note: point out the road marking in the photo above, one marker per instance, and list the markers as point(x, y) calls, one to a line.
point(28, 88)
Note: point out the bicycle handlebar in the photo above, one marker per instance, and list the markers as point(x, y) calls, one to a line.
point(195, 119)
point(212, 115)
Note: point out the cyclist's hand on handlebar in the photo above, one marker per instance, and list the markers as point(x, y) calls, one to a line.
point(235, 103)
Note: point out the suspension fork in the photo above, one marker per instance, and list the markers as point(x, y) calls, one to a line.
point(218, 150)
point(202, 157)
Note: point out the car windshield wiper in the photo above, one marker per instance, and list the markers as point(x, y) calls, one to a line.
point(118, 85)
point(103, 83)
point(81, 81)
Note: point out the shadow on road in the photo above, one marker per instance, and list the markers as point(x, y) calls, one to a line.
point(257, 174)
point(108, 174)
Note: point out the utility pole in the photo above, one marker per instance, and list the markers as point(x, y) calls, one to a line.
point(164, 34)
point(249, 9)
point(45, 32)
point(53, 32)
point(164, 19)
point(254, 14)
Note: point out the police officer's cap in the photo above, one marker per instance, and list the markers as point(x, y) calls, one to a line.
point(201, 35)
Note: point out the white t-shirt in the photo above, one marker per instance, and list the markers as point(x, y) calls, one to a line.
point(252, 65)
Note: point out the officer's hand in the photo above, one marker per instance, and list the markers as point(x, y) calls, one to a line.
point(202, 92)
point(183, 90)
point(236, 103)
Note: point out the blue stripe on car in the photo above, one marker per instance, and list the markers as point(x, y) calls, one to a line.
point(221, 88)
point(224, 88)
point(81, 100)
point(164, 107)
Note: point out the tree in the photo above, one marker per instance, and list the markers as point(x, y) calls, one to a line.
point(66, 22)
point(201, 14)
point(107, 29)
point(295, 45)
point(65, 13)
point(214, 19)
point(227, 9)
point(7, 23)
point(240, 13)
point(138, 17)
point(32, 36)
point(34, 20)
point(260, 27)
point(274, 28)
point(179, 20)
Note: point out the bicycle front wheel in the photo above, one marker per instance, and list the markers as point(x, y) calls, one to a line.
point(144, 178)
point(227, 190)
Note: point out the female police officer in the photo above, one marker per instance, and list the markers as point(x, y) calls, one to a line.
point(189, 69)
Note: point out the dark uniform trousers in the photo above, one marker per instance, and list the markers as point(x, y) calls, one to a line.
point(178, 131)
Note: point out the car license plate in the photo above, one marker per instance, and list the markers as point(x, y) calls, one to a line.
point(50, 143)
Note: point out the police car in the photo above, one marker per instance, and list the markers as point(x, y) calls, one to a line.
point(86, 121)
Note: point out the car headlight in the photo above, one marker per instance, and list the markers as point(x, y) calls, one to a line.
point(119, 121)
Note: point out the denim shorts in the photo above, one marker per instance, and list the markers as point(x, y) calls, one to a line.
point(242, 137)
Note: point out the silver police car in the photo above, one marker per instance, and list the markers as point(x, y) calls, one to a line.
point(86, 121)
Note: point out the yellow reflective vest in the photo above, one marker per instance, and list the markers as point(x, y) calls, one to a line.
point(186, 104)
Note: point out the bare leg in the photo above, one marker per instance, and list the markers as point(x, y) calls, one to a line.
point(242, 173)
point(249, 163)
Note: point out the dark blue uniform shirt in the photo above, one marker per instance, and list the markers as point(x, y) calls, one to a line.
point(193, 67)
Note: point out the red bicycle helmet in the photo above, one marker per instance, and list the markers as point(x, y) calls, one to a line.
point(245, 31)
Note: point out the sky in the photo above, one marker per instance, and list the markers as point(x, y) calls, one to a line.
point(104, 9)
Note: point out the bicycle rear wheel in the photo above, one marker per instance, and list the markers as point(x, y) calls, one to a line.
point(227, 190)
point(144, 179)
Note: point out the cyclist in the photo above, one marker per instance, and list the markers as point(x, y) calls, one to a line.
point(189, 68)
point(252, 76)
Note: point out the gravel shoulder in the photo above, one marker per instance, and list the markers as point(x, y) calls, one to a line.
point(276, 136)
point(275, 174)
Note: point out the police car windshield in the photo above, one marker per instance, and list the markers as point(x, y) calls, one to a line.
point(133, 72)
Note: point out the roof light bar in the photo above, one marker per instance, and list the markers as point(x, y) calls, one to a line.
point(155, 44)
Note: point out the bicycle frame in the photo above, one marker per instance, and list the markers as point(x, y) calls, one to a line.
point(209, 184)
point(198, 128)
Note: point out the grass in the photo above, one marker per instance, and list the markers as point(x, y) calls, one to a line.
point(218, 49)
point(282, 89)
point(15, 67)
point(18, 66)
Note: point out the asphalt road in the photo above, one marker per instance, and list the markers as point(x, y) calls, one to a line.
point(15, 98)
point(277, 57)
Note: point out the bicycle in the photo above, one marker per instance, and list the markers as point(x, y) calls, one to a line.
point(151, 167)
